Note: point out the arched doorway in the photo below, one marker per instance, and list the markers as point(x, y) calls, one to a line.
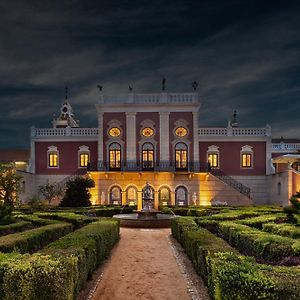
point(181, 196)
point(131, 196)
point(164, 196)
point(115, 196)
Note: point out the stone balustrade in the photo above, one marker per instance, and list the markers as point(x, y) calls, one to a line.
point(285, 147)
point(238, 131)
point(150, 98)
point(63, 132)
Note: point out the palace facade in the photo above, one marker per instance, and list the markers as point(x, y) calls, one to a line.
point(156, 138)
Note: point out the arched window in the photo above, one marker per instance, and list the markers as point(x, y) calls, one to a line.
point(115, 156)
point(115, 196)
point(181, 156)
point(147, 156)
point(181, 196)
point(131, 196)
point(164, 196)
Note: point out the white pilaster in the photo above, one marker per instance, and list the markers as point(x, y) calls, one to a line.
point(100, 137)
point(131, 136)
point(164, 136)
point(196, 139)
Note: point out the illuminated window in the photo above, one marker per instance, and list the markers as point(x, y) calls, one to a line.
point(181, 156)
point(246, 160)
point(114, 132)
point(115, 156)
point(247, 156)
point(53, 159)
point(84, 159)
point(213, 159)
point(181, 131)
point(147, 132)
point(147, 156)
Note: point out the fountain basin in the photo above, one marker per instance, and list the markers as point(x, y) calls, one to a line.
point(145, 219)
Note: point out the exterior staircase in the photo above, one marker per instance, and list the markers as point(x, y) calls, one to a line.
point(221, 189)
point(241, 188)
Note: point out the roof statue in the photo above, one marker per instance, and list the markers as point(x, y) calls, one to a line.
point(163, 84)
point(234, 122)
point(195, 85)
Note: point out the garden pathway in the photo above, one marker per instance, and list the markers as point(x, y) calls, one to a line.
point(148, 264)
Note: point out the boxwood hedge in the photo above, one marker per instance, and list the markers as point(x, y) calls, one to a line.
point(231, 276)
point(15, 227)
point(34, 239)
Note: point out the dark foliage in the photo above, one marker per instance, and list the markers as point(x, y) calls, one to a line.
point(77, 192)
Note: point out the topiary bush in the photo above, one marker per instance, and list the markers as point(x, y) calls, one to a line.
point(77, 192)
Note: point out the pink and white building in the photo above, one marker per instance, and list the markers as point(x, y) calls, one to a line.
point(156, 138)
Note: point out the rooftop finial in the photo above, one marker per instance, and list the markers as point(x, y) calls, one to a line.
point(67, 92)
point(195, 85)
point(163, 83)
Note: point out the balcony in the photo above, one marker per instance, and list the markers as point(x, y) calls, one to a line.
point(169, 166)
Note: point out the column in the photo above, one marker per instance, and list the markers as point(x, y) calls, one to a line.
point(173, 198)
point(155, 200)
point(139, 200)
point(100, 140)
point(196, 139)
point(164, 139)
point(131, 137)
point(123, 197)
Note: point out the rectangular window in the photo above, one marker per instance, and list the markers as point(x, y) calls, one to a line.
point(246, 160)
point(84, 159)
point(213, 159)
point(53, 160)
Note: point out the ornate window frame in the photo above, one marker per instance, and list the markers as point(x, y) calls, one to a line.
point(160, 202)
point(181, 123)
point(52, 150)
point(144, 139)
point(213, 149)
point(247, 150)
point(115, 202)
point(111, 124)
point(83, 150)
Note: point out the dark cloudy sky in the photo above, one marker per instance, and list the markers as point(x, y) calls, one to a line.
point(244, 54)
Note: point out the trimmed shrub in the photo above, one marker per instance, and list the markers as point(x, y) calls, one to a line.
point(37, 221)
point(39, 277)
point(232, 276)
point(89, 245)
point(111, 211)
point(262, 245)
point(76, 219)
point(238, 277)
point(15, 227)
point(258, 222)
point(283, 229)
point(34, 239)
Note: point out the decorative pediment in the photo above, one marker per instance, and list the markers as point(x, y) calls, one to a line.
point(213, 148)
point(247, 148)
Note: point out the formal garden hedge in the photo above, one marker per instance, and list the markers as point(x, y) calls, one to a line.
point(34, 239)
point(15, 227)
point(61, 269)
point(230, 275)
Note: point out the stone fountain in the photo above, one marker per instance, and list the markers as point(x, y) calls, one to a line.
point(148, 217)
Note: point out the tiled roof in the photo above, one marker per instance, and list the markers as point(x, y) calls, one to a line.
point(8, 155)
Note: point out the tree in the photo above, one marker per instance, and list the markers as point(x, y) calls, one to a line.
point(50, 191)
point(77, 192)
point(9, 183)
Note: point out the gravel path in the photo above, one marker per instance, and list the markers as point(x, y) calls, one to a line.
point(147, 264)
